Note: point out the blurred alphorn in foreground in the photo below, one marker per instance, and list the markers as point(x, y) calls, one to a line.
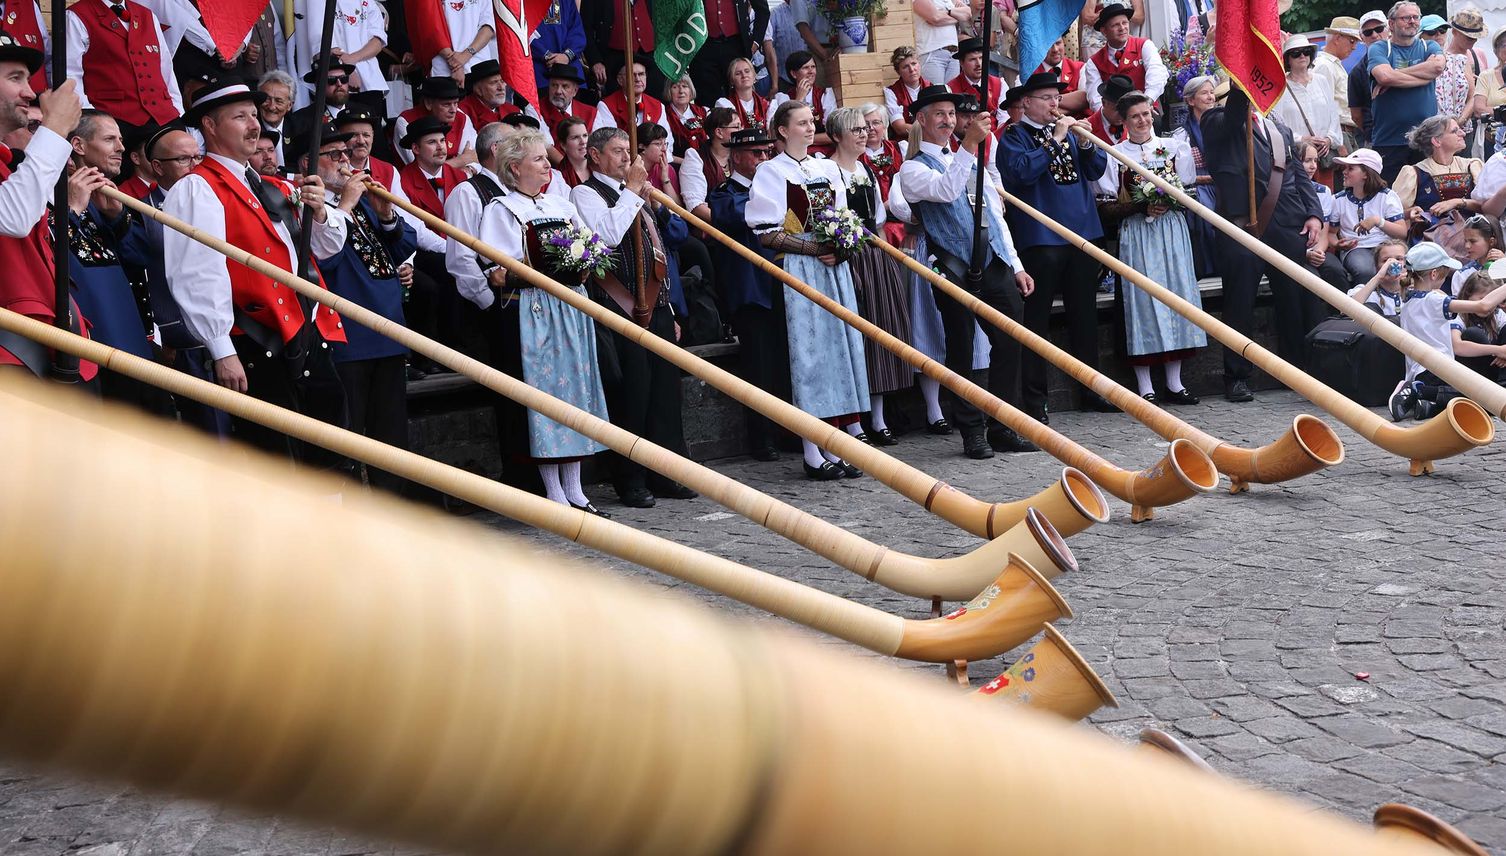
point(1067, 511)
point(1008, 611)
point(1490, 396)
point(1073, 499)
point(1182, 474)
point(401, 674)
point(1462, 425)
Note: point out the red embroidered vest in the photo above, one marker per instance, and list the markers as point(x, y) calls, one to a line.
point(687, 133)
point(123, 66)
point(482, 115)
point(1101, 129)
point(962, 86)
point(553, 116)
point(643, 31)
point(885, 166)
point(759, 116)
point(248, 227)
point(457, 127)
point(422, 193)
point(382, 171)
point(22, 24)
point(1130, 63)
point(650, 109)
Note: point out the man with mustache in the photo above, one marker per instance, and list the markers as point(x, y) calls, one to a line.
point(264, 339)
point(564, 85)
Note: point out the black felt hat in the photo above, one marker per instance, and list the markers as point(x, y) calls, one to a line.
point(481, 71)
point(13, 51)
point(440, 89)
point(1116, 87)
point(423, 127)
point(1110, 12)
point(747, 138)
point(360, 113)
point(218, 93)
point(932, 95)
point(967, 46)
point(565, 71)
point(335, 65)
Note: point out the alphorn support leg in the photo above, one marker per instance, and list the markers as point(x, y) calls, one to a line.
point(956, 670)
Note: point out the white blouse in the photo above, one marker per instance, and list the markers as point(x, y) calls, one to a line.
point(1153, 154)
point(768, 200)
point(1314, 101)
point(503, 219)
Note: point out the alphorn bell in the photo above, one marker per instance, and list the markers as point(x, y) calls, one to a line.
point(1460, 427)
point(1490, 396)
point(1008, 612)
point(956, 579)
point(1183, 473)
point(1308, 445)
point(461, 692)
point(1059, 502)
point(1052, 676)
point(1407, 823)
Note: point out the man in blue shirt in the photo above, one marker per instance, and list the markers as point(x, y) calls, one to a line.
point(1403, 69)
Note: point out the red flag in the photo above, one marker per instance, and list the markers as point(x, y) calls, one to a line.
point(228, 21)
point(1247, 42)
point(516, 21)
point(428, 32)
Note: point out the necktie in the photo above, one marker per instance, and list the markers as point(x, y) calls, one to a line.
point(437, 185)
point(120, 11)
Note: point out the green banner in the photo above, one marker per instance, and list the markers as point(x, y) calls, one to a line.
point(679, 31)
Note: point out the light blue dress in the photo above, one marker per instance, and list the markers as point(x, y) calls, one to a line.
point(927, 334)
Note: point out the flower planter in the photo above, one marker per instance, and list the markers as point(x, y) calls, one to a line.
point(852, 35)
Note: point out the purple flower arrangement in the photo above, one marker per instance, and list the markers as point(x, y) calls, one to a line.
point(576, 249)
point(1146, 193)
point(842, 228)
point(1188, 54)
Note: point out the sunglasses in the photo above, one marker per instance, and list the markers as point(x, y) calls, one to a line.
point(342, 80)
point(1373, 31)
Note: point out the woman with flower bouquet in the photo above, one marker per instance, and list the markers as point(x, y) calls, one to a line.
point(1153, 239)
point(544, 342)
point(798, 208)
point(878, 279)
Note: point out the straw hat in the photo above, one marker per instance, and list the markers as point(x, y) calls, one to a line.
point(1468, 22)
point(1298, 43)
point(1344, 26)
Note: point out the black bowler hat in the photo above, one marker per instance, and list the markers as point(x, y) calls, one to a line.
point(335, 65)
point(1035, 83)
point(137, 136)
point(931, 95)
point(967, 46)
point(266, 134)
point(969, 105)
point(1116, 87)
point(218, 93)
point(481, 71)
point(360, 114)
point(423, 127)
point(440, 89)
point(1012, 98)
point(1110, 12)
point(747, 138)
point(13, 51)
point(565, 71)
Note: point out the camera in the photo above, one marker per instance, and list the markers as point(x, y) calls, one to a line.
point(1498, 115)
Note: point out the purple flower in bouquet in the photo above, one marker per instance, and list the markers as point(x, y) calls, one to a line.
point(576, 249)
point(842, 228)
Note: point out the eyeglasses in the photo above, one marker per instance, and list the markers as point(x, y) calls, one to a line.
point(336, 154)
point(767, 153)
point(342, 80)
point(181, 160)
point(1050, 99)
point(1373, 31)
point(1407, 18)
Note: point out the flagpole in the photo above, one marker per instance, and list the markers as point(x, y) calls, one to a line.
point(1250, 156)
point(316, 133)
point(64, 366)
point(975, 267)
point(630, 87)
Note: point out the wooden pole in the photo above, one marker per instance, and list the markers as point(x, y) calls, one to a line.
point(316, 134)
point(643, 313)
point(975, 265)
point(416, 677)
point(64, 367)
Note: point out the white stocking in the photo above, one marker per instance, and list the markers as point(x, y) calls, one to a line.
point(550, 473)
point(930, 390)
point(876, 412)
point(1142, 377)
point(570, 481)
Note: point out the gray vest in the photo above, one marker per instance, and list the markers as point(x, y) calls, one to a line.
point(949, 225)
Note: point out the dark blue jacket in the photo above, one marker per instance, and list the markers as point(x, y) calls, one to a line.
point(347, 275)
point(1025, 168)
point(141, 248)
point(567, 35)
point(742, 284)
point(101, 286)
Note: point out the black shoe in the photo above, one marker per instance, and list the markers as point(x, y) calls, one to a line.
point(416, 373)
point(1181, 396)
point(1040, 416)
point(637, 497)
point(1150, 396)
point(1006, 440)
point(1403, 402)
point(590, 508)
point(849, 470)
point(976, 446)
point(1238, 392)
point(862, 437)
point(883, 437)
point(671, 489)
point(765, 453)
point(940, 427)
point(1097, 403)
point(828, 471)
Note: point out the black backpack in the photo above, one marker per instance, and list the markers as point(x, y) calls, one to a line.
point(1354, 361)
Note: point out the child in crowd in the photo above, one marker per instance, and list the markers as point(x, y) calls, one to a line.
point(1428, 313)
point(1308, 154)
point(1383, 292)
point(1480, 342)
point(1482, 245)
point(1364, 214)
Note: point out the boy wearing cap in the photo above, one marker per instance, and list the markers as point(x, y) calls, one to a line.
point(1137, 58)
point(439, 98)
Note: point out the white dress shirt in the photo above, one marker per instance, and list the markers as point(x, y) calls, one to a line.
point(25, 195)
point(611, 223)
point(605, 119)
point(1492, 177)
point(693, 184)
point(923, 184)
point(463, 24)
point(467, 136)
point(463, 211)
point(1155, 75)
point(179, 20)
point(78, 45)
point(768, 200)
point(357, 22)
point(200, 278)
point(1178, 152)
point(896, 112)
point(427, 239)
point(502, 221)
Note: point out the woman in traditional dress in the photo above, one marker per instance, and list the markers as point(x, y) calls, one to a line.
point(879, 280)
point(752, 109)
point(1198, 93)
point(703, 169)
point(686, 118)
point(545, 343)
point(572, 134)
point(1436, 189)
point(882, 155)
point(1153, 239)
point(828, 370)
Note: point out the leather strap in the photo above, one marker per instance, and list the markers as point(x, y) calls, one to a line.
point(647, 294)
point(1273, 181)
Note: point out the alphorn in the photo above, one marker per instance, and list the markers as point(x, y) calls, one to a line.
point(1183, 473)
point(1308, 445)
point(1009, 611)
point(1461, 426)
point(1488, 395)
point(1051, 676)
point(1409, 823)
point(1067, 513)
point(409, 676)
point(1074, 499)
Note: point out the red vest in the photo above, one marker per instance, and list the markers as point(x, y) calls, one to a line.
point(1130, 63)
point(963, 86)
point(687, 136)
point(650, 109)
point(248, 227)
point(136, 187)
point(22, 24)
point(902, 95)
point(457, 127)
point(553, 116)
point(1070, 73)
point(482, 115)
point(123, 66)
point(1101, 129)
point(759, 116)
point(382, 171)
point(422, 193)
point(885, 166)
point(643, 31)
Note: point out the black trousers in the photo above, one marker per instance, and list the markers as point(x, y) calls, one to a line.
point(708, 71)
point(1482, 365)
point(114, 386)
point(434, 305)
point(310, 386)
point(763, 358)
point(643, 393)
point(1297, 309)
point(1072, 274)
point(196, 362)
point(376, 398)
point(1000, 291)
point(1393, 158)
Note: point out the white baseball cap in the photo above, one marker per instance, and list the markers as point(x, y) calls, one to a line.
point(1362, 157)
point(1372, 15)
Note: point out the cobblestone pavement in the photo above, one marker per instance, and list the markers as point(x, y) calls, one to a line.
point(1237, 623)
